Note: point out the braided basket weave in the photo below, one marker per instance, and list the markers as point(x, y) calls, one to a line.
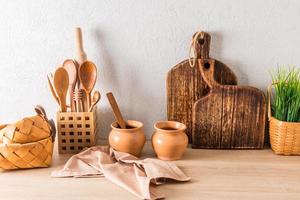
point(27, 143)
point(284, 136)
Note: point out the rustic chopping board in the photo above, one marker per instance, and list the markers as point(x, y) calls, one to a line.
point(228, 117)
point(185, 84)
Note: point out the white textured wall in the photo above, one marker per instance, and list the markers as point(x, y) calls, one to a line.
point(134, 44)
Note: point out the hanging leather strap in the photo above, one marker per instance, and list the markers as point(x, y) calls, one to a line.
point(42, 113)
point(199, 47)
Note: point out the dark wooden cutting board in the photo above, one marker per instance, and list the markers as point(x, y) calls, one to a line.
point(228, 117)
point(185, 84)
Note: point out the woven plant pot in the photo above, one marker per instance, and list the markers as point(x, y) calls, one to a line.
point(27, 143)
point(284, 136)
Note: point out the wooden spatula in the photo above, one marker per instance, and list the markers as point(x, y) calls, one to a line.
point(116, 110)
point(71, 67)
point(61, 84)
point(88, 77)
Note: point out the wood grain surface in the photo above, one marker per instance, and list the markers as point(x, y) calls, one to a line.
point(229, 117)
point(185, 85)
point(215, 174)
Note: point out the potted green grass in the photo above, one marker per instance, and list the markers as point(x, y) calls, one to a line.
point(284, 111)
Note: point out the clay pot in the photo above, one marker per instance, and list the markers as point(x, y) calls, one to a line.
point(130, 140)
point(169, 141)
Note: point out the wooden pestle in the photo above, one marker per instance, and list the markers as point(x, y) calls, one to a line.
point(116, 110)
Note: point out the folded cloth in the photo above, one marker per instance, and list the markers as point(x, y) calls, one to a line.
point(135, 175)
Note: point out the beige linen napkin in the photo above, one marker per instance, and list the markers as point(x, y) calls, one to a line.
point(123, 169)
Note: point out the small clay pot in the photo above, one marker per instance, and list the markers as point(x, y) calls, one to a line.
point(130, 140)
point(169, 140)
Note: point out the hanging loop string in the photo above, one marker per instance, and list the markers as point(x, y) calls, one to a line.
point(193, 58)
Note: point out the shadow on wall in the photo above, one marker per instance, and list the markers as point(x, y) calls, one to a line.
point(104, 114)
point(216, 49)
point(107, 60)
point(136, 97)
point(105, 117)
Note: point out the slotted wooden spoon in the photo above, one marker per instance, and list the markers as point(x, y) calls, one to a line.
point(88, 77)
point(61, 84)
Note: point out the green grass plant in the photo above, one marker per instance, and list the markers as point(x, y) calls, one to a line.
point(286, 97)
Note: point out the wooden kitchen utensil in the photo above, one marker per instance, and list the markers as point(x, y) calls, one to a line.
point(81, 57)
point(116, 110)
point(229, 117)
point(71, 67)
point(50, 83)
point(61, 84)
point(96, 98)
point(78, 99)
point(185, 84)
point(88, 77)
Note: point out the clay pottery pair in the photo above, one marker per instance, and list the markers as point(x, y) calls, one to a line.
point(130, 140)
point(169, 140)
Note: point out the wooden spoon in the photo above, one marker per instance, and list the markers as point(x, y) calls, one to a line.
point(61, 84)
point(88, 77)
point(96, 98)
point(71, 67)
point(116, 110)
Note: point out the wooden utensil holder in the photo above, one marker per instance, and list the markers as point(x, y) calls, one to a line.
point(76, 131)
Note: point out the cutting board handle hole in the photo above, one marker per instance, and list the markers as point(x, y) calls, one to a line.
point(201, 41)
point(206, 65)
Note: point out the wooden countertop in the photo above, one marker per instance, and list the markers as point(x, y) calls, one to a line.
point(216, 174)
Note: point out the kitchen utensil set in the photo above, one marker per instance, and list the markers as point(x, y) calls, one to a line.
point(126, 136)
point(75, 79)
point(73, 83)
point(65, 81)
point(201, 94)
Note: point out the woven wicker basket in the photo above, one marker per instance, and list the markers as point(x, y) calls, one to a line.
point(284, 136)
point(27, 143)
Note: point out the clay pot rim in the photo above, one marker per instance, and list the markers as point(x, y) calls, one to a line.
point(179, 127)
point(136, 124)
